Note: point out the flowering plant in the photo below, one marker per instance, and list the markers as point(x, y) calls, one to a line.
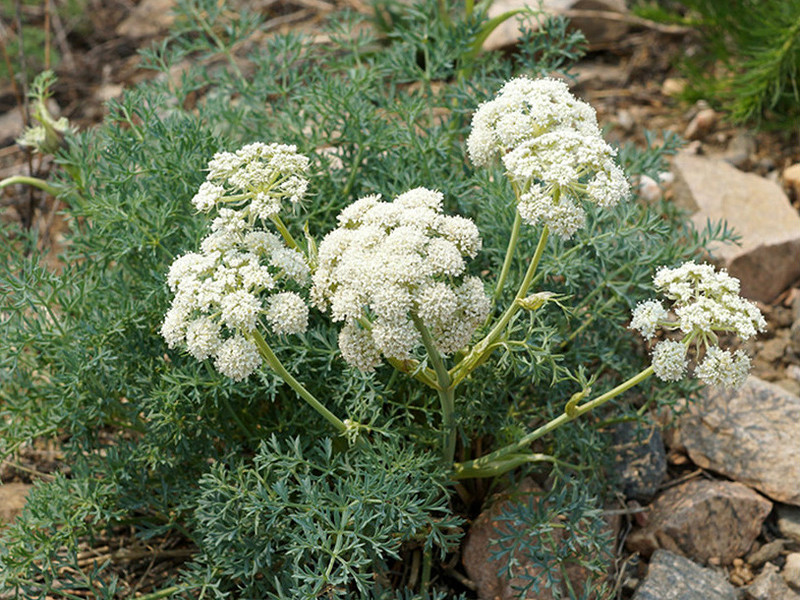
point(395, 272)
point(300, 394)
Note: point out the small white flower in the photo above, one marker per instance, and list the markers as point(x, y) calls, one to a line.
point(647, 316)
point(723, 368)
point(240, 310)
point(669, 360)
point(237, 358)
point(287, 313)
point(358, 349)
point(203, 338)
point(207, 196)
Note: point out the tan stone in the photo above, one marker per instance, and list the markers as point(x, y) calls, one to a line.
point(768, 259)
point(12, 500)
point(791, 179)
point(769, 585)
point(750, 435)
point(598, 30)
point(148, 18)
point(703, 520)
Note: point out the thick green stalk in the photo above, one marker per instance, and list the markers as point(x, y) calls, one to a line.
point(33, 181)
point(446, 391)
point(277, 366)
point(480, 351)
point(487, 466)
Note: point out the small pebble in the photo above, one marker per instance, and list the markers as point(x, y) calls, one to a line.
point(702, 124)
point(791, 179)
point(673, 86)
point(649, 190)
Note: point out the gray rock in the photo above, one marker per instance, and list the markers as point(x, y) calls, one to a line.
point(672, 577)
point(740, 149)
point(789, 522)
point(769, 585)
point(768, 260)
point(767, 552)
point(640, 461)
point(749, 435)
point(597, 29)
point(794, 336)
point(708, 521)
point(791, 570)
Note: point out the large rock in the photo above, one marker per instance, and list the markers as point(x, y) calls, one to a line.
point(481, 545)
point(605, 23)
point(750, 435)
point(768, 259)
point(703, 520)
point(672, 577)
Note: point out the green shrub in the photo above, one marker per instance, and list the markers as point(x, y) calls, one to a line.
point(269, 499)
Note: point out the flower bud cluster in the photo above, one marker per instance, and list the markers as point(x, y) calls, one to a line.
point(705, 303)
point(237, 277)
point(389, 263)
point(552, 149)
point(255, 179)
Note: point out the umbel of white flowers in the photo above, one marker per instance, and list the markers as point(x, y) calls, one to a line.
point(704, 304)
point(241, 271)
point(391, 266)
point(552, 149)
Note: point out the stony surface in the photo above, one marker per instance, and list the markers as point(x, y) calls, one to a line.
point(672, 577)
point(640, 461)
point(12, 500)
point(704, 520)
point(789, 522)
point(791, 179)
point(769, 585)
point(596, 29)
point(749, 435)
point(768, 260)
point(479, 547)
point(791, 570)
point(767, 552)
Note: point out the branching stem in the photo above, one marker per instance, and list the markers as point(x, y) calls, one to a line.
point(493, 463)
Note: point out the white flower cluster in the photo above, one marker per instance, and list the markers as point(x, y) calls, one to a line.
point(388, 263)
point(255, 179)
point(705, 303)
point(552, 149)
point(222, 291)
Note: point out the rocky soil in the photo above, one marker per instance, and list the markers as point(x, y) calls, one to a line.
point(712, 505)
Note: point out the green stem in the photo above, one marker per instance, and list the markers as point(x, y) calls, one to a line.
point(165, 593)
point(512, 461)
point(34, 181)
point(277, 366)
point(446, 391)
point(489, 462)
point(480, 351)
point(287, 237)
point(512, 245)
